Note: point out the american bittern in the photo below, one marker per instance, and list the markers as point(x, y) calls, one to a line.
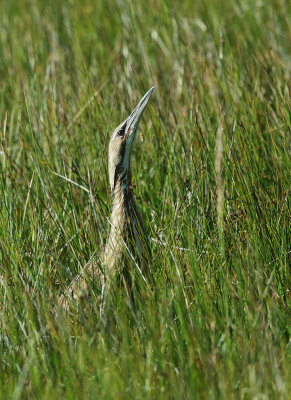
point(127, 238)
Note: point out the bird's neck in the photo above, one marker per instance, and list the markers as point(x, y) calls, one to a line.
point(127, 229)
point(124, 209)
point(119, 215)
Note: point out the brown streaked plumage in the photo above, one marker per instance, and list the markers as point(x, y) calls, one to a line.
point(127, 238)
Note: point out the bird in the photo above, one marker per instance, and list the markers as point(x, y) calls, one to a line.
point(127, 243)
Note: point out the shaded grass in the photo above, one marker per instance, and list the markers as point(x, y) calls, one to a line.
point(218, 323)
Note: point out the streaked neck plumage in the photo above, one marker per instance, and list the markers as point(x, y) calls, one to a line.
point(127, 237)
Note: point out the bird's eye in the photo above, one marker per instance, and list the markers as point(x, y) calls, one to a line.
point(121, 131)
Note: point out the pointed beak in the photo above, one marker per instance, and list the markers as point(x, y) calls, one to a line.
point(133, 120)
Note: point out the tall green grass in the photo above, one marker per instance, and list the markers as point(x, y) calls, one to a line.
point(212, 175)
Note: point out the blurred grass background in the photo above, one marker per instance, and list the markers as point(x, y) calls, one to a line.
point(212, 175)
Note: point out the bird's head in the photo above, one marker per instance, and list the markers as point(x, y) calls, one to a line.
point(121, 143)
